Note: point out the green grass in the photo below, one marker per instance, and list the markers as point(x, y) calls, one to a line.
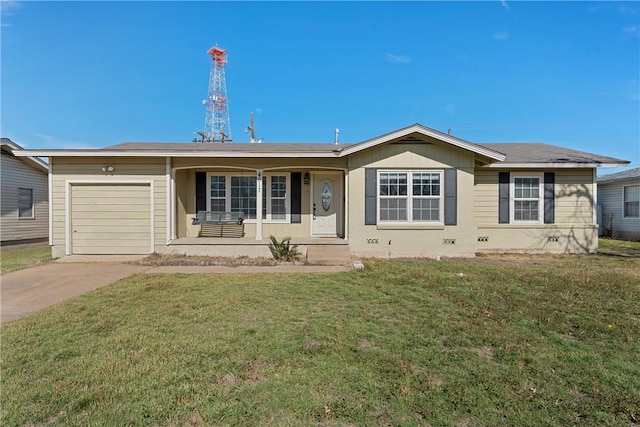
point(17, 259)
point(495, 340)
point(618, 247)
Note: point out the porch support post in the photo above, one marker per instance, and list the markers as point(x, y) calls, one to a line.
point(168, 200)
point(259, 191)
point(345, 205)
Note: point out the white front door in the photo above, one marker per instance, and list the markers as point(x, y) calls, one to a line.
point(327, 202)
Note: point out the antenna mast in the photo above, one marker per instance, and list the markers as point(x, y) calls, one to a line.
point(251, 130)
point(217, 126)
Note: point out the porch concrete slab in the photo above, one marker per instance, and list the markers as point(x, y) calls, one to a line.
point(248, 269)
point(26, 291)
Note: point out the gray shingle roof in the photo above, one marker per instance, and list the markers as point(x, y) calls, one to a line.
point(515, 152)
point(620, 176)
point(545, 153)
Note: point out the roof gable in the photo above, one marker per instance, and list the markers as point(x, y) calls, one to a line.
point(406, 135)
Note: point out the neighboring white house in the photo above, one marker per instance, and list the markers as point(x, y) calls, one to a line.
point(619, 204)
point(24, 198)
point(411, 192)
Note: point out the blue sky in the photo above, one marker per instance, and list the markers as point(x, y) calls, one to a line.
point(92, 74)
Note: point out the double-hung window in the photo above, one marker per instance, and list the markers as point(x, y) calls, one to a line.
point(25, 203)
point(526, 200)
point(410, 196)
point(631, 201)
point(238, 193)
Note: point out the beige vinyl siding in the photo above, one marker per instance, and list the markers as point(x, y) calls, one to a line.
point(17, 174)
point(110, 218)
point(610, 198)
point(574, 229)
point(412, 239)
point(89, 170)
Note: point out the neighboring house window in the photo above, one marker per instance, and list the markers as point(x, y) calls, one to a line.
point(238, 194)
point(526, 199)
point(632, 201)
point(409, 196)
point(25, 203)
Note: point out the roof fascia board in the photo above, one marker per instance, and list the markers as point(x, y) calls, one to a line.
point(554, 165)
point(173, 154)
point(495, 155)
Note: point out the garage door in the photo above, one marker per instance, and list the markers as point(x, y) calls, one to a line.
point(110, 219)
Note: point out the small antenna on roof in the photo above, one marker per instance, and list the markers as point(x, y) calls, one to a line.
point(251, 130)
point(449, 131)
point(336, 140)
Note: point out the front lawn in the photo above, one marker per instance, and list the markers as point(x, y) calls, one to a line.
point(495, 340)
point(17, 259)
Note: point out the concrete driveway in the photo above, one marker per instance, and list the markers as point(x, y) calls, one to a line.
point(26, 291)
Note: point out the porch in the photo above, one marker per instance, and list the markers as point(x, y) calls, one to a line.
point(315, 250)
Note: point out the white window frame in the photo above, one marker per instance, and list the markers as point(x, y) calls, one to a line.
point(266, 189)
point(409, 197)
point(33, 205)
point(624, 201)
point(540, 199)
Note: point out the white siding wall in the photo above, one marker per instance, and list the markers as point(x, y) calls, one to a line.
point(610, 198)
point(89, 169)
point(16, 174)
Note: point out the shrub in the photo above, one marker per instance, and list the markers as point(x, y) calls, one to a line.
point(284, 250)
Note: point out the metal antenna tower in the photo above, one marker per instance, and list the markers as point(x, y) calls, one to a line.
point(217, 126)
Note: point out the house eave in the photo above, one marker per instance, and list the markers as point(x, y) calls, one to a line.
point(564, 165)
point(218, 154)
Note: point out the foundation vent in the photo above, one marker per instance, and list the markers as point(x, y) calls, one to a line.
point(483, 238)
point(553, 239)
point(448, 241)
point(372, 241)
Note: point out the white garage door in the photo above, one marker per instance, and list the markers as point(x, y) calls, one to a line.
point(110, 219)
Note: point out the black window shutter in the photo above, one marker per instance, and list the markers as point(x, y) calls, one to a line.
point(296, 197)
point(503, 195)
point(370, 196)
point(549, 197)
point(450, 196)
point(201, 191)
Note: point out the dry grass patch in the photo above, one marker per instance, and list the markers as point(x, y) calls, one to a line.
point(159, 260)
